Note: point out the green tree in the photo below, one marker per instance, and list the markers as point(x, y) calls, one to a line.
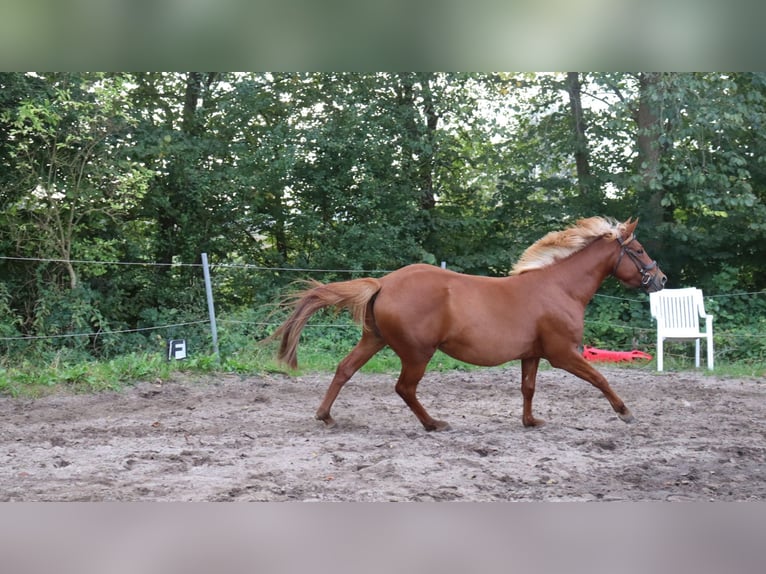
point(359, 171)
point(696, 181)
point(72, 182)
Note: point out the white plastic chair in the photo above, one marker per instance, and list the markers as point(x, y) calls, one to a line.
point(678, 313)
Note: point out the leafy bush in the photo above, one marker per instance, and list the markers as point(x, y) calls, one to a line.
point(619, 322)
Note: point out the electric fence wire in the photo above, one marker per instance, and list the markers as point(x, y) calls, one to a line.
point(297, 270)
point(101, 333)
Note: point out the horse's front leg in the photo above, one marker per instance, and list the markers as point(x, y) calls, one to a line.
point(578, 366)
point(528, 380)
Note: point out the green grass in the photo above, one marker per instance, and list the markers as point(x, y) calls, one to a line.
point(723, 369)
point(30, 378)
point(61, 372)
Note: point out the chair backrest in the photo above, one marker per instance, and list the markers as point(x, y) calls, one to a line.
point(677, 311)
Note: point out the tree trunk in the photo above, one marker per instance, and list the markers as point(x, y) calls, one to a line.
point(648, 143)
point(582, 162)
point(169, 217)
point(421, 138)
point(72, 275)
point(426, 171)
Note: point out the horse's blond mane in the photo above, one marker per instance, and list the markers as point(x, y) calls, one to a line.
point(557, 245)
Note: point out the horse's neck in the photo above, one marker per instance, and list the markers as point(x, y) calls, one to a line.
point(582, 274)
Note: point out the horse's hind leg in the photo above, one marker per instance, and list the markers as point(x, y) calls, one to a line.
point(359, 355)
point(406, 388)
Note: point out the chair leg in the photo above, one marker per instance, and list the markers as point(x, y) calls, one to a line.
point(660, 342)
point(710, 353)
point(697, 353)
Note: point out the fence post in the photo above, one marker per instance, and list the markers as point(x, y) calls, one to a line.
point(210, 307)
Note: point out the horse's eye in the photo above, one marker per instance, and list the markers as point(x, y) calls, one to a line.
point(640, 251)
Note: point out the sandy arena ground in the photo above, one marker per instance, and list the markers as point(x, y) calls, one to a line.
point(232, 438)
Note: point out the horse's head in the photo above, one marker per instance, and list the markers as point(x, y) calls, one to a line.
point(637, 269)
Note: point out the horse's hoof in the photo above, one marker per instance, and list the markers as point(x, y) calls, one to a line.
point(328, 421)
point(438, 426)
point(533, 422)
point(627, 416)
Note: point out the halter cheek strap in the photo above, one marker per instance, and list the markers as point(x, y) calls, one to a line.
point(646, 278)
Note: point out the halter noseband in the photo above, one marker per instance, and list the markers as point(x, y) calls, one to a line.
point(646, 278)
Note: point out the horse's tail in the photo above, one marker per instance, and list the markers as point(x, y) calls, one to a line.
point(354, 295)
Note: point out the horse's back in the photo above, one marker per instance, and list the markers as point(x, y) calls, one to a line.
point(413, 291)
point(416, 269)
point(424, 284)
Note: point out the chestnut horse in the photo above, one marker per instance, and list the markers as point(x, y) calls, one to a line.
point(536, 312)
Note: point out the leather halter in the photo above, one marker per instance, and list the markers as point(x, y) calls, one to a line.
point(646, 278)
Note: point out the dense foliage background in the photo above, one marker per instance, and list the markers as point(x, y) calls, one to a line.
point(359, 173)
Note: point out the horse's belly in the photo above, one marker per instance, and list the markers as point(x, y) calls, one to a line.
point(485, 350)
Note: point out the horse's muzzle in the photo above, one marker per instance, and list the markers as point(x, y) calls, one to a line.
point(655, 282)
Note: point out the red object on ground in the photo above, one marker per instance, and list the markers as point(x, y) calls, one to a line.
point(593, 354)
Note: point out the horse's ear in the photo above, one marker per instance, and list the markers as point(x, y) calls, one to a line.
point(630, 225)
